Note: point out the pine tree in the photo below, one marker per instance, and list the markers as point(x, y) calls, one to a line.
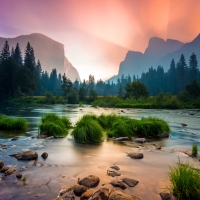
point(29, 58)
point(193, 68)
point(17, 56)
point(172, 81)
point(5, 53)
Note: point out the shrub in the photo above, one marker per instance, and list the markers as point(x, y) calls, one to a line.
point(185, 181)
point(54, 125)
point(88, 130)
point(194, 150)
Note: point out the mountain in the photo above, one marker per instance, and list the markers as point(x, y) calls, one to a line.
point(50, 53)
point(136, 62)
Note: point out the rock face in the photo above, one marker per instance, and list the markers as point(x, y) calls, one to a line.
point(79, 190)
point(50, 53)
point(90, 181)
point(130, 182)
point(101, 194)
point(26, 155)
point(167, 196)
point(1, 164)
point(135, 155)
point(119, 195)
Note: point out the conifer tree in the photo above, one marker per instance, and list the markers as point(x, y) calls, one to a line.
point(193, 68)
point(5, 53)
point(17, 56)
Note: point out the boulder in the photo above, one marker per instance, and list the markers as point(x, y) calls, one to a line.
point(117, 183)
point(10, 171)
point(135, 155)
point(113, 173)
point(44, 155)
point(101, 194)
point(19, 176)
point(1, 164)
point(86, 195)
point(26, 155)
point(79, 190)
point(90, 181)
point(4, 169)
point(119, 195)
point(130, 182)
point(139, 140)
point(167, 196)
point(115, 167)
point(15, 138)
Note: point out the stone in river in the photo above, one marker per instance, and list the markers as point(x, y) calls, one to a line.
point(117, 183)
point(19, 176)
point(139, 140)
point(167, 196)
point(1, 164)
point(90, 181)
point(10, 171)
point(101, 194)
point(130, 182)
point(136, 155)
point(113, 173)
point(115, 167)
point(4, 169)
point(15, 138)
point(86, 195)
point(119, 195)
point(26, 155)
point(44, 155)
point(79, 190)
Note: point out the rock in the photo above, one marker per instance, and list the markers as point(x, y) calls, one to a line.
point(86, 195)
point(139, 140)
point(117, 183)
point(113, 173)
point(26, 155)
point(167, 196)
point(121, 138)
point(164, 135)
point(19, 176)
point(42, 136)
point(44, 155)
point(101, 194)
point(4, 169)
point(136, 155)
point(79, 190)
point(15, 138)
point(50, 137)
point(3, 145)
point(182, 124)
point(119, 195)
point(130, 182)
point(189, 153)
point(157, 147)
point(10, 171)
point(115, 167)
point(1, 164)
point(90, 181)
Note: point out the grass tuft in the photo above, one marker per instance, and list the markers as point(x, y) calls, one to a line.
point(194, 150)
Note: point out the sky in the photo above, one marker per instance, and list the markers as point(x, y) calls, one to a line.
point(98, 33)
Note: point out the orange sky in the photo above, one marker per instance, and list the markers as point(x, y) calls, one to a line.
point(98, 33)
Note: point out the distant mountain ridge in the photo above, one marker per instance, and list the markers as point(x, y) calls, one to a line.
point(158, 52)
point(50, 53)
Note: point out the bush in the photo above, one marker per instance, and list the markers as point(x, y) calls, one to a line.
point(13, 124)
point(88, 130)
point(185, 181)
point(194, 150)
point(54, 125)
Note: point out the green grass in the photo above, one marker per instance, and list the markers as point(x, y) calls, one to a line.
point(13, 124)
point(54, 125)
point(194, 150)
point(185, 181)
point(88, 130)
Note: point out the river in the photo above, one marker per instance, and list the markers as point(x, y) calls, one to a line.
point(68, 160)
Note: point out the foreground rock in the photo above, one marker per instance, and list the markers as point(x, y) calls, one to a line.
point(167, 196)
point(86, 195)
point(130, 182)
point(90, 181)
point(101, 194)
point(26, 155)
point(139, 140)
point(1, 164)
point(10, 171)
point(44, 155)
point(119, 195)
point(19, 176)
point(79, 190)
point(113, 173)
point(135, 155)
point(117, 183)
point(3, 170)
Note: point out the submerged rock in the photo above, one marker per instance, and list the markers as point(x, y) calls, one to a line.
point(86, 195)
point(119, 195)
point(135, 155)
point(101, 194)
point(90, 181)
point(26, 155)
point(130, 182)
point(117, 183)
point(10, 171)
point(79, 190)
point(167, 196)
point(44, 155)
point(1, 164)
